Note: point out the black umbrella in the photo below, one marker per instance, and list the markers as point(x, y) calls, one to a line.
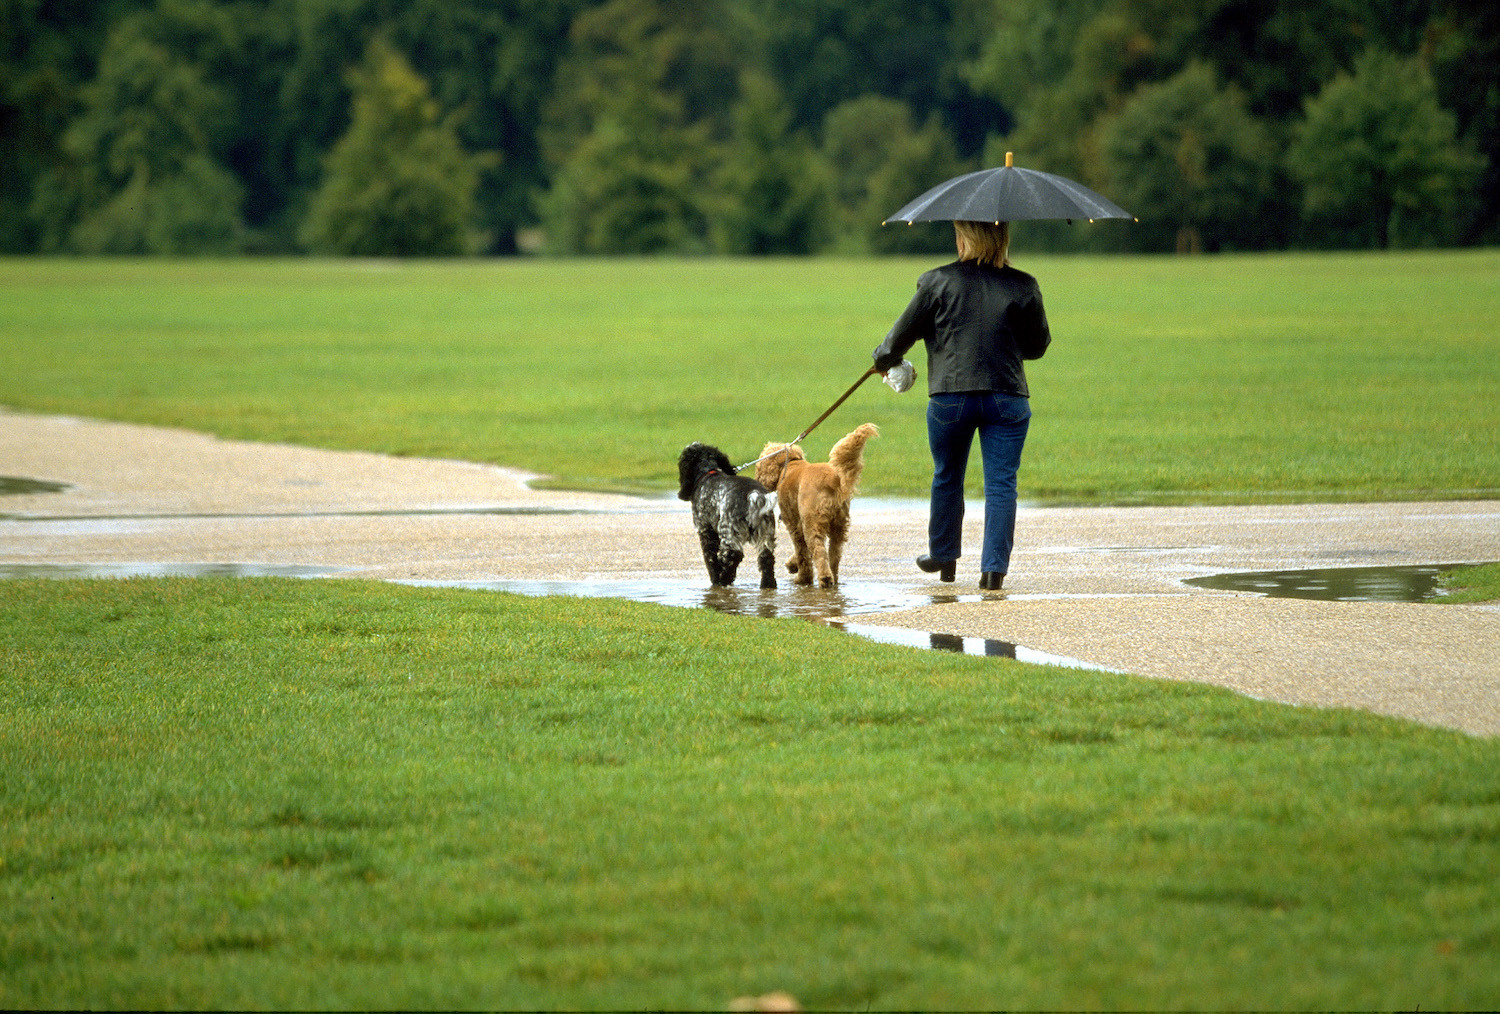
point(1008, 194)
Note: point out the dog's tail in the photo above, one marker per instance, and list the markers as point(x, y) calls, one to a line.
point(848, 456)
point(761, 510)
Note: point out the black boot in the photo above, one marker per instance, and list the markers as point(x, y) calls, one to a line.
point(945, 569)
point(991, 580)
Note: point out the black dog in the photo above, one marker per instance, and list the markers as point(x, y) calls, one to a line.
point(729, 511)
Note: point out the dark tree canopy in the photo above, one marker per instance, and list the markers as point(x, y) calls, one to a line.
point(737, 126)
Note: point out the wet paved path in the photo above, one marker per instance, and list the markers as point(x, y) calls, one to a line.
point(1099, 584)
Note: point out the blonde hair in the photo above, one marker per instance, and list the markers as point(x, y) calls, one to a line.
point(985, 242)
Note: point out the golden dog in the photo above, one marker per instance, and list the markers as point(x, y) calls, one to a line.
point(814, 499)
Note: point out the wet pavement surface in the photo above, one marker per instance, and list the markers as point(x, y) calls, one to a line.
point(1132, 589)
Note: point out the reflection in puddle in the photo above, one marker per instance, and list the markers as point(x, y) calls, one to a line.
point(14, 485)
point(982, 646)
point(830, 607)
point(1340, 584)
point(804, 603)
point(64, 571)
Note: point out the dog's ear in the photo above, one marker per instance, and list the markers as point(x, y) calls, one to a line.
point(687, 471)
point(768, 468)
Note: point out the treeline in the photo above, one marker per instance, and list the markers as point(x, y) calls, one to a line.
point(443, 127)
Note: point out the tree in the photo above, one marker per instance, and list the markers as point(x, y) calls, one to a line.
point(823, 53)
point(1066, 68)
point(1063, 69)
point(1278, 53)
point(497, 60)
point(771, 189)
point(49, 50)
point(141, 173)
point(634, 128)
point(629, 187)
point(398, 183)
point(615, 118)
point(1465, 46)
point(493, 59)
point(1191, 163)
point(1060, 71)
point(1378, 156)
point(880, 160)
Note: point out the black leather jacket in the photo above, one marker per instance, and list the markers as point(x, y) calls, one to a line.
point(979, 323)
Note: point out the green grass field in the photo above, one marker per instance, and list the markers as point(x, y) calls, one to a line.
point(1220, 379)
point(1472, 584)
point(272, 793)
point(327, 794)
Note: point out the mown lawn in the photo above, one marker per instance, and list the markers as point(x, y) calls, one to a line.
point(271, 793)
point(265, 793)
point(1217, 379)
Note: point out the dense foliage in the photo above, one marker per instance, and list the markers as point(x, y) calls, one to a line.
point(736, 126)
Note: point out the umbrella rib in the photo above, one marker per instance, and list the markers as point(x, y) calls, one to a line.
point(932, 196)
point(1008, 193)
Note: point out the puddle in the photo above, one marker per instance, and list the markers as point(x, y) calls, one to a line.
point(830, 607)
point(816, 604)
point(123, 570)
point(981, 646)
point(836, 608)
point(265, 515)
point(1335, 584)
point(14, 485)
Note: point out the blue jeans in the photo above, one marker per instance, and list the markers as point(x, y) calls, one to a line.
point(1001, 421)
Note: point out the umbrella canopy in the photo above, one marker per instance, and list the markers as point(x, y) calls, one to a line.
point(1008, 194)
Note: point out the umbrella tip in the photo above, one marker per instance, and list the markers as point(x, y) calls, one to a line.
point(1010, 159)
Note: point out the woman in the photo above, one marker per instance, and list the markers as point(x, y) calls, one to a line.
point(980, 318)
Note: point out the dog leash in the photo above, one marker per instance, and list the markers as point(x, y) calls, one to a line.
point(842, 398)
